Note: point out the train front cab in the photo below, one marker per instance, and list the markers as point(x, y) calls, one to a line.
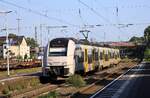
point(60, 58)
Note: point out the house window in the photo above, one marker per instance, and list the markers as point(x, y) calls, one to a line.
point(5, 47)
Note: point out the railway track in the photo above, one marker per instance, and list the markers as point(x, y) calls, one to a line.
point(39, 90)
point(35, 92)
point(99, 78)
point(100, 83)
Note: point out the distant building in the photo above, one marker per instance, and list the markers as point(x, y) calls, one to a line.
point(126, 48)
point(17, 47)
point(122, 44)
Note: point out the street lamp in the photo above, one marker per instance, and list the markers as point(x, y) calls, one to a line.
point(7, 41)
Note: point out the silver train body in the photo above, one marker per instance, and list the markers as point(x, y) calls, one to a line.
point(66, 56)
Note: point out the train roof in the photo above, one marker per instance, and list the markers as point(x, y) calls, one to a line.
point(83, 42)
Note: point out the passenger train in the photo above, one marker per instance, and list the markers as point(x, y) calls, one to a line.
point(67, 56)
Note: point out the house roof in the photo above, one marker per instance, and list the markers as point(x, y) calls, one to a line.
point(13, 40)
point(122, 44)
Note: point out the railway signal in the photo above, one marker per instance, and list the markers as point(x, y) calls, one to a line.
point(7, 41)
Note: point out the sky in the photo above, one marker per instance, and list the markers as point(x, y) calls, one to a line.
point(75, 14)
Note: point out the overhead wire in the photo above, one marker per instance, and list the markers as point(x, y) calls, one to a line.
point(94, 11)
point(63, 21)
point(98, 14)
point(101, 16)
point(81, 17)
point(38, 13)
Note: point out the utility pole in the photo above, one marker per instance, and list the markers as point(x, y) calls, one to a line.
point(42, 48)
point(104, 36)
point(48, 31)
point(41, 34)
point(35, 33)
point(18, 21)
point(7, 41)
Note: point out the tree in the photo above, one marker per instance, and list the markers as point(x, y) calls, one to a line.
point(25, 56)
point(135, 39)
point(12, 35)
point(147, 54)
point(31, 42)
point(147, 35)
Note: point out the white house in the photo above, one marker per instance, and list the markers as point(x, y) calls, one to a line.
point(17, 47)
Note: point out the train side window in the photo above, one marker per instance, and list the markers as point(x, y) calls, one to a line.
point(118, 55)
point(89, 58)
point(81, 58)
point(101, 55)
point(93, 54)
point(106, 57)
point(96, 56)
point(115, 55)
point(110, 55)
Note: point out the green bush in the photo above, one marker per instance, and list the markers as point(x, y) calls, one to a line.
point(32, 56)
point(6, 91)
point(53, 94)
point(19, 85)
point(25, 56)
point(19, 57)
point(34, 82)
point(76, 81)
point(147, 54)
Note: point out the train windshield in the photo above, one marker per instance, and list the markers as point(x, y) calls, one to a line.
point(58, 52)
point(59, 43)
point(58, 47)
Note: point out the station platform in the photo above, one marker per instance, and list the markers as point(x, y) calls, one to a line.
point(135, 83)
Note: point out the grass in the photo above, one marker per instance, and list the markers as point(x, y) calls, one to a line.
point(147, 59)
point(19, 71)
point(19, 85)
point(52, 94)
point(7, 88)
point(76, 81)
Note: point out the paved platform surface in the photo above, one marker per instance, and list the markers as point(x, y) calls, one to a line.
point(135, 83)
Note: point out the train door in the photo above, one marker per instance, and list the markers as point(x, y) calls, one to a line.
point(96, 58)
point(101, 62)
point(104, 58)
point(79, 59)
point(85, 60)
